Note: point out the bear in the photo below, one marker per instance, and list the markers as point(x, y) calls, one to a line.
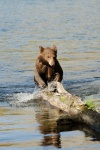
point(47, 67)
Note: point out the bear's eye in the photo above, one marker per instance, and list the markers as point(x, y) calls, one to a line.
point(48, 56)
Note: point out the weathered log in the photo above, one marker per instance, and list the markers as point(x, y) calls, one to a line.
point(73, 106)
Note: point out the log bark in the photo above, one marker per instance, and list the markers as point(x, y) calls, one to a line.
point(73, 106)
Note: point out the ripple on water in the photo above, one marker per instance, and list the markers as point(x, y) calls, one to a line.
point(25, 25)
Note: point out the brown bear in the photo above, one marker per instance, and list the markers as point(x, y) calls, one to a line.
point(47, 67)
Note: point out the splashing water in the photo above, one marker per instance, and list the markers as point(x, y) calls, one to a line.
point(24, 99)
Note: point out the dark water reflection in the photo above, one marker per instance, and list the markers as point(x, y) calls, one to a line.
point(34, 128)
point(74, 27)
point(53, 128)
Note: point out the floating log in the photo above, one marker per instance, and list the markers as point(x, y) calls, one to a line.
point(73, 106)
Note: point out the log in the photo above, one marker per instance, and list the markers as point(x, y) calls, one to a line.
point(72, 106)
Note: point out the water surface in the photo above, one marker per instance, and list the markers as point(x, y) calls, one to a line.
point(74, 27)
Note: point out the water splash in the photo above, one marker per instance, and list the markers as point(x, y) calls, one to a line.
point(24, 99)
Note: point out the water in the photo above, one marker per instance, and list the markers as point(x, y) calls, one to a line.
point(74, 27)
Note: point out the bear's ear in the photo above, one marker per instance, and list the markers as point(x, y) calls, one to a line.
point(54, 48)
point(41, 49)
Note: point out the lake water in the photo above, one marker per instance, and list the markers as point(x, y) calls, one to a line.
point(74, 27)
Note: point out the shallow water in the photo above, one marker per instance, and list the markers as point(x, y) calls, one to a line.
point(74, 27)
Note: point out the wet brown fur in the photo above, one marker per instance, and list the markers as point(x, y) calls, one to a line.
point(47, 67)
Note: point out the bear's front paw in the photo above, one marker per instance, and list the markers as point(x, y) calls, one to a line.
point(42, 86)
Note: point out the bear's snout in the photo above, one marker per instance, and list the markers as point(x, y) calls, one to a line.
point(52, 62)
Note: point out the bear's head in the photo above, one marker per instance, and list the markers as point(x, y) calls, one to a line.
point(49, 54)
